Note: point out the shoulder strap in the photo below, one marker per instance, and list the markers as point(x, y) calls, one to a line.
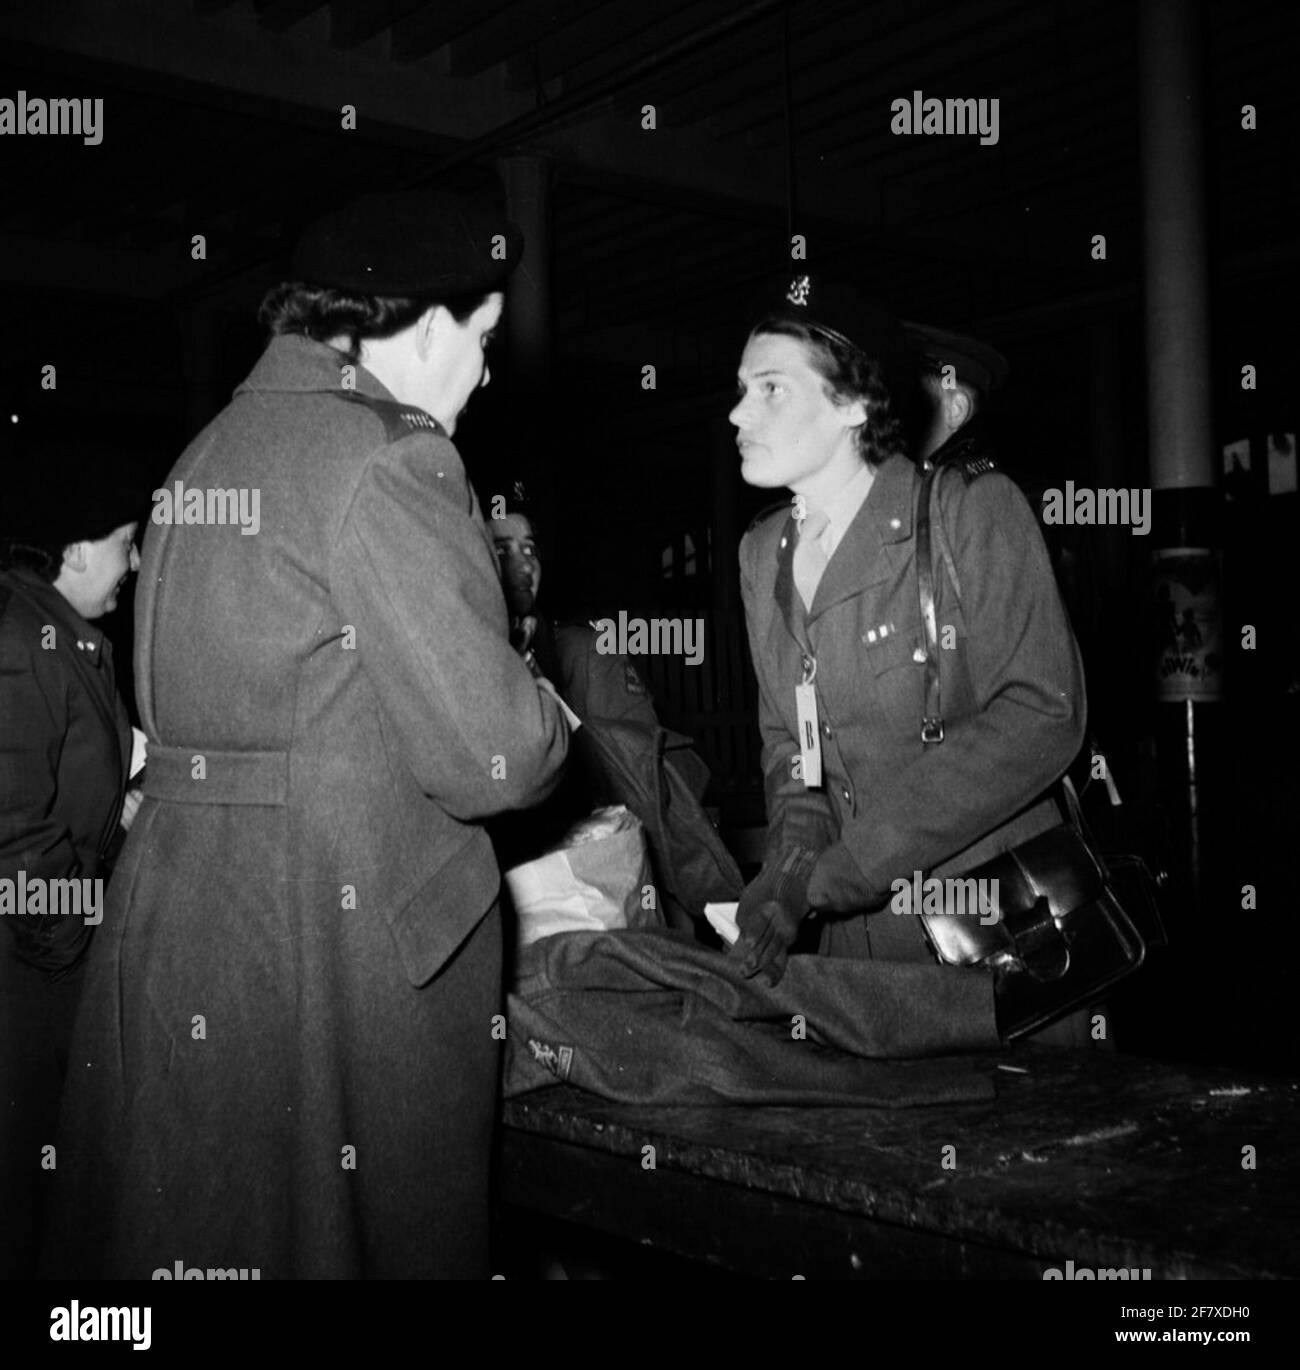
point(932, 720)
point(972, 463)
point(399, 420)
point(945, 551)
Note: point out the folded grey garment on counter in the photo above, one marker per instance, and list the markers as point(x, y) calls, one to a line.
point(651, 1016)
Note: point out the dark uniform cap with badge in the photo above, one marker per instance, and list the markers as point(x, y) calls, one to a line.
point(977, 364)
point(842, 312)
point(410, 243)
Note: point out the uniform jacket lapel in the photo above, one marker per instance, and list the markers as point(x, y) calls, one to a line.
point(868, 552)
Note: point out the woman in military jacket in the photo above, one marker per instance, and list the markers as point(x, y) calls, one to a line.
point(815, 415)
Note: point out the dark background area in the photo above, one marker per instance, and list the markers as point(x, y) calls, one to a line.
point(223, 119)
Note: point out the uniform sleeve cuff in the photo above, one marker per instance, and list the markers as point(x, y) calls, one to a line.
point(836, 882)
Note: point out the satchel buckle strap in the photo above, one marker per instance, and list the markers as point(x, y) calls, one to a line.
point(1040, 946)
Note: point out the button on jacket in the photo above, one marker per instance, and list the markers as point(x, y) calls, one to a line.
point(1011, 681)
point(285, 1058)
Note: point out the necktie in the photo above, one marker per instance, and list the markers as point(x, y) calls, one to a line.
point(809, 556)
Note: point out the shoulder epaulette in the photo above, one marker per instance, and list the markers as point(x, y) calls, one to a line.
point(979, 465)
point(971, 457)
point(400, 420)
point(781, 505)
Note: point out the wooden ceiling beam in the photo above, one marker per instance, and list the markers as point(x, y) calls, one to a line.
point(512, 31)
point(278, 15)
point(353, 22)
point(153, 44)
point(582, 52)
point(432, 26)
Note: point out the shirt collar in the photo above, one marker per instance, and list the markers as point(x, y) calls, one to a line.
point(843, 505)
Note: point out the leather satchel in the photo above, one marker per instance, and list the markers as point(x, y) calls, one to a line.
point(1061, 936)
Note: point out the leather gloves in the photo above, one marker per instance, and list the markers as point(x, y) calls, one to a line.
point(772, 906)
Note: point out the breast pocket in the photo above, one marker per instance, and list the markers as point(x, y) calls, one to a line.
point(886, 649)
point(894, 675)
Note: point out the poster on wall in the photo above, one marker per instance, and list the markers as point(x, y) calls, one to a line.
point(1236, 469)
point(1188, 625)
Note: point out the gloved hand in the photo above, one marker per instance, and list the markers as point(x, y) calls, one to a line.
point(771, 908)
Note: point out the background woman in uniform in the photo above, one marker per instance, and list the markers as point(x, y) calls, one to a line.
point(831, 599)
point(66, 552)
point(291, 1064)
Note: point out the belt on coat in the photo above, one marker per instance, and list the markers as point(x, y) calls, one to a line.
point(200, 775)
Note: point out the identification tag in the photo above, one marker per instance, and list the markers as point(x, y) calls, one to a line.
point(810, 746)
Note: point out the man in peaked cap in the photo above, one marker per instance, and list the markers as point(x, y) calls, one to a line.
point(958, 373)
point(286, 1042)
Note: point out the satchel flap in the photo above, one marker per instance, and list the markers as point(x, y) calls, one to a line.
point(1058, 865)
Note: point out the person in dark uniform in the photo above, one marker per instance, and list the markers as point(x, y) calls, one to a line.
point(594, 684)
point(285, 1058)
point(831, 604)
point(603, 685)
point(607, 692)
point(523, 836)
point(958, 376)
point(65, 751)
point(958, 373)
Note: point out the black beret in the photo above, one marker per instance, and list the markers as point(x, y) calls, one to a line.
point(841, 311)
point(977, 364)
point(430, 242)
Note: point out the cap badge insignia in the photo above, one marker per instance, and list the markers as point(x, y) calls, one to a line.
point(799, 290)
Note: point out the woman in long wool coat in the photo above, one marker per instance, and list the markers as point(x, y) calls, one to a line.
point(286, 1062)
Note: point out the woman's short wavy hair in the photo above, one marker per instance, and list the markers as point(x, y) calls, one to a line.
point(851, 374)
point(322, 313)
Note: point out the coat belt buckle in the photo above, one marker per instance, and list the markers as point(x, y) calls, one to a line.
point(931, 730)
